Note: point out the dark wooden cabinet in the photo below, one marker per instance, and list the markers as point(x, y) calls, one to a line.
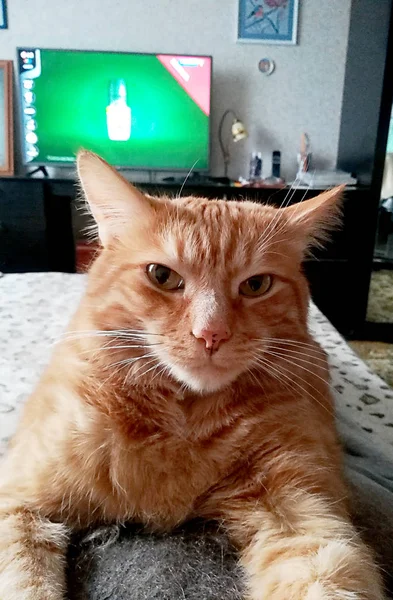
point(35, 228)
point(22, 226)
point(36, 234)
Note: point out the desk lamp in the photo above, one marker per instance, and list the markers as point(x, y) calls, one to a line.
point(238, 131)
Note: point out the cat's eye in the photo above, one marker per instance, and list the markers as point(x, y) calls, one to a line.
point(257, 285)
point(164, 277)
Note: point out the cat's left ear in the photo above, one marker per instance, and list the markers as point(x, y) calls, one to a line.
point(313, 219)
point(113, 201)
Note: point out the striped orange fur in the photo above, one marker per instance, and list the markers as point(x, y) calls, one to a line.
point(161, 405)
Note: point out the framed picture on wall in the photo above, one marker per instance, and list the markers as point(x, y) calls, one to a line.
point(3, 14)
point(6, 119)
point(268, 21)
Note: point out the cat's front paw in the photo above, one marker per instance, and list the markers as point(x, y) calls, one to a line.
point(336, 571)
point(317, 590)
point(320, 591)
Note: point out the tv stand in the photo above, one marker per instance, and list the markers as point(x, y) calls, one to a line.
point(38, 170)
point(198, 179)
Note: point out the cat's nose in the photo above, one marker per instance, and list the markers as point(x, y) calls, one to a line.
point(213, 336)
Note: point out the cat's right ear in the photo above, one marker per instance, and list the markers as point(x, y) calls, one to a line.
point(113, 201)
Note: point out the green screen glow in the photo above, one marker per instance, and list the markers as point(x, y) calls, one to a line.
point(76, 100)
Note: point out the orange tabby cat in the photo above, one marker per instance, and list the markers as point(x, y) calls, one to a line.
point(188, 386)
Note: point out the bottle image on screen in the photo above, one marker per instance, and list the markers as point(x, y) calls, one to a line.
point(118, 114)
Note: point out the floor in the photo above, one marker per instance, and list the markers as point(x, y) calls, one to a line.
point(380, 300)
point(378, 355)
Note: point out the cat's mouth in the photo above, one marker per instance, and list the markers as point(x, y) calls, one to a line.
point(201, 371)
point(205, 374)
point(209, 360)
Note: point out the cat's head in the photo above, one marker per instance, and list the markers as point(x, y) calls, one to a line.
point(204, 285)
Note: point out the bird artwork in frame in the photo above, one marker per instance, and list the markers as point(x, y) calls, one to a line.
point(268, 21)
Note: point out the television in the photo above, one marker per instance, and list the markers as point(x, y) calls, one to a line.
point(138, 111)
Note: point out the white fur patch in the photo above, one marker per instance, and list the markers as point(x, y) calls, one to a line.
point(206, 311)
point(206, 380)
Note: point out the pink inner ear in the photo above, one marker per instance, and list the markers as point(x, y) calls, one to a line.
point(323, 207)
point(313, 220)
point(114, 202)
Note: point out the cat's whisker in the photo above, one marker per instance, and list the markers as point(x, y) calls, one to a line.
point(271, 231)
point(94, 352)
point(283, 205)
point(308, 187)
point(167, 369)
point(257, 362)
point(294, 340)
point(187, 177)
point(113, 335)
point(164, 369)
point(109, 332)
point(290, 341)
point(152, 359)
point(272, 242)
point(291, 348)
point(313, 361)
point(143, 373)
point(156, 370)
point(297, 207)
point(250, 372)
point(130, 361)
point(184, 386)
point(126, 346)
point(133, 373)
point(306, 356)
point(295, 184)
point(109, 344)
point(110, 376)
point(267, 238)
point(283, 370)
point(275, 253)
point(296, 361)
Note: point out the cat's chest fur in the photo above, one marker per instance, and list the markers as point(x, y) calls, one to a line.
point(155, 472)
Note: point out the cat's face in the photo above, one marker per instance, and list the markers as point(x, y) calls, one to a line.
point(209, 284)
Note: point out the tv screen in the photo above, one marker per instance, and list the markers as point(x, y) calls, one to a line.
point(141, 111)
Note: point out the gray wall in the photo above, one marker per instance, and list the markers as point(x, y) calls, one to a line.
point(364, 77)
point(303, 94)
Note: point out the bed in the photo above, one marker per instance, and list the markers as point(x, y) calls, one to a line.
point(195, 562)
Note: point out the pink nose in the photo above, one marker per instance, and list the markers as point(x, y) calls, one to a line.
point(213, 336)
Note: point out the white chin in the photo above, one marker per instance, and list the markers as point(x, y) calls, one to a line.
point(203, 381)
